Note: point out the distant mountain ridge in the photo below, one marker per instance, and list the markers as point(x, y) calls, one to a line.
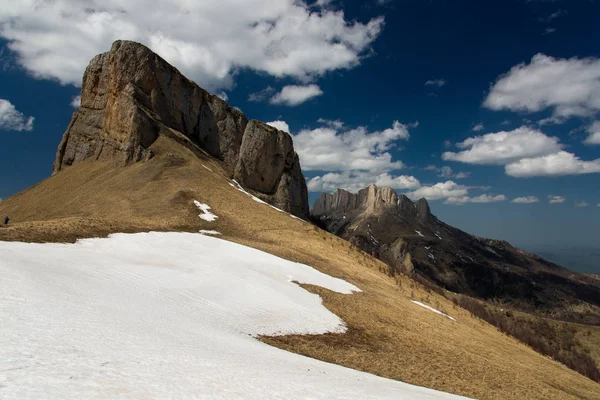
point(409, 238)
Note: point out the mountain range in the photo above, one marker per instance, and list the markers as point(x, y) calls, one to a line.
point(405, 235)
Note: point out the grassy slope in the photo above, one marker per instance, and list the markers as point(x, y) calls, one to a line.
point(388, 335)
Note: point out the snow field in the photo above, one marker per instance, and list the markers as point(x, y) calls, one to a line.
point(167, 315)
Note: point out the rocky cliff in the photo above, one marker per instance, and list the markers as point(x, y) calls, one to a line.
point(130, 96)
point(409, 238)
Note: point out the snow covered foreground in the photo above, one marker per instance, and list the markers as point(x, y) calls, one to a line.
point(166, 315)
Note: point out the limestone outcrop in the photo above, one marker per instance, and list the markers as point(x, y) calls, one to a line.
point(130, 96)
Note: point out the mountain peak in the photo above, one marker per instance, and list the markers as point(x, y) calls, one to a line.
point(372, 200)
point(130, 97)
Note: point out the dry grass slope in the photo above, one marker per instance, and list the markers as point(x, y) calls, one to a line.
point(388, 335)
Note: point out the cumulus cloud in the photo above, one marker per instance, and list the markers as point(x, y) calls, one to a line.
point(329, 149)
point(525, 200)
point(478, 127)
point(76, 101)
point(293, 95)
point(484, 198)
point(525, 152)
point(558, 164)
point(569, 87)
point(222, 95)
point(447, 172)
point(442, 190)
point(261, 95)
point(13, 120)
point(204, 39)
point(352, 158)
point(594, 131)
point(435, 82)
point(356, 180)
point(281, 125)
point(556, 199)
point(504, 147)
point(336, 124)
point(582, 204)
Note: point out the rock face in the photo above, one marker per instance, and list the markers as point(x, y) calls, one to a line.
point(130, 96)
point(405, 235)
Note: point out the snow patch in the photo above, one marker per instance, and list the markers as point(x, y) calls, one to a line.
point(237, 186)
point(419, 233)
point(432, 309)
point(207, 232)
point(206, 215)
point(167, 315)
point(488, 248)
point(432, 256)
point(438, 236)
point(207, 167)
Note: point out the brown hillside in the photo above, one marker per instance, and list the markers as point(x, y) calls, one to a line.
point(388, 335)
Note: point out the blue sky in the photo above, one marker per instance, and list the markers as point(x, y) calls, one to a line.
point(470, 104)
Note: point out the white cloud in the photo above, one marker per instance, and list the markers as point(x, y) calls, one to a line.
point(442, 190)
point(569, 87)
point(598, 205)
point(558, 164)
point(484, 198)
point(13, 120)
point(329, 149)
point(556, 199)
point(356, 180)
point(525, 200)
point(222, 95)
point(435, 82)
point(504, 147)
point(582, 204)
point(206, 40)
point(352, 158)
point(548, 31)
point(293, 95)
point(553, 16)
point(594, 131)
point(76, 101)
point(281, 125)
point(478, 127)
point(336, 124)
point(261, 95)
point(447, 172)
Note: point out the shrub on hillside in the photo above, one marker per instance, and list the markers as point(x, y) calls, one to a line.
point(556, 340)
